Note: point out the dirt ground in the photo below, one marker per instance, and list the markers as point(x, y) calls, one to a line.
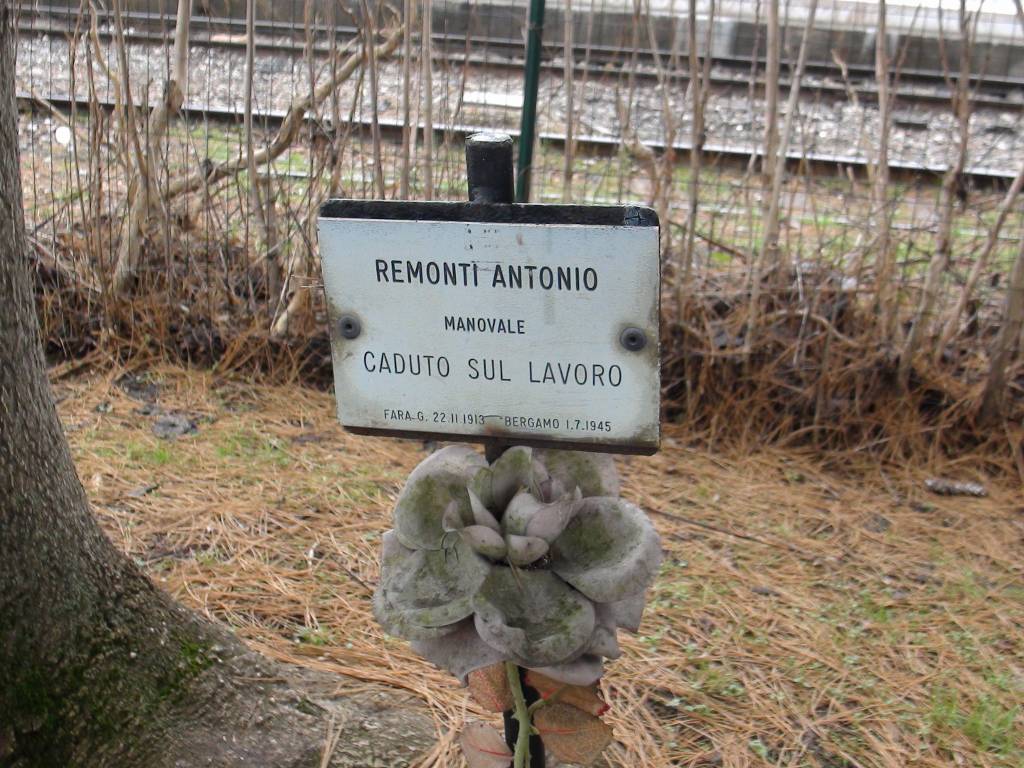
point(812, 611)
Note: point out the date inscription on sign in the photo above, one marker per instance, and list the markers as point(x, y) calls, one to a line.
point(536, 324)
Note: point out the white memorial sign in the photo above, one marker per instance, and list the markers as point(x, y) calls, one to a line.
point(535, 333)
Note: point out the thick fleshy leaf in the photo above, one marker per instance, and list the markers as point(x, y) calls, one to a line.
point(481, 485)
point(625, 613)
point(523, 550)
point(549, 520)
point(584, 670)
point(423, 592)
point(481, 515)
point(483, 746)
point(604, 643)
point(452, 519)
point(424, 506)
point(572, 735)
point(540, 480)
point(527, 516)
point(458, 459)
point(532, 616)
point(490, 689)
point(520, 509)
point(510, 473)
point(545, 490)
point(585, 697)
point(593, 473)
point(485, 541)
point(608, 551)
point(460, 652)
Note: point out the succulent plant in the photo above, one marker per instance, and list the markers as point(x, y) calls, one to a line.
point(532, 559)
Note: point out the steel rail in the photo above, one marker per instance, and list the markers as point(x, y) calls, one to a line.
point(739, 154)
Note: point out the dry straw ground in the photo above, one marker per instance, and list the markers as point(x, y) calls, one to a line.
point(812, 611)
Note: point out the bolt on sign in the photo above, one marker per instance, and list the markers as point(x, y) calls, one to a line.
point(532, 324)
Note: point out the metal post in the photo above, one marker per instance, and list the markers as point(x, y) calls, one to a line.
point(528, 126)
point(489, 168)
point(490, 179)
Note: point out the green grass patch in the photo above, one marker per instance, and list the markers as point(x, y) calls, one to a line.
point(987, 723)
point(150, 454)
point(249, 446)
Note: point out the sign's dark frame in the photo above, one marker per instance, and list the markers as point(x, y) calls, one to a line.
point(492, 213)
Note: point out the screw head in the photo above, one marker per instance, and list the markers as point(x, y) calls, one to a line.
point(349, 326)
point(633, 339)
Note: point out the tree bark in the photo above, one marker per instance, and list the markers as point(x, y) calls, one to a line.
point(97, 665)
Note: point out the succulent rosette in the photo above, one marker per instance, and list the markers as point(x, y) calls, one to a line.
point(532, 559)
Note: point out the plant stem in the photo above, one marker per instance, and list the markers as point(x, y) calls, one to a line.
point(521, 758)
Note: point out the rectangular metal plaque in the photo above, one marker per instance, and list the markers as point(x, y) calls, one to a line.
point(533, 324)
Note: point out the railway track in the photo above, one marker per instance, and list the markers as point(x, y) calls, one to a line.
point(822, 79)
point(738, 156)
point(144, 29)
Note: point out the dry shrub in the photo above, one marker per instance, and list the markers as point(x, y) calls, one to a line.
point(816, 374)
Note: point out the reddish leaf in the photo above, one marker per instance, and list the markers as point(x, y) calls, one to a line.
point(588, 698)
point(489, 688)
point(483, 747)
point(570, 734)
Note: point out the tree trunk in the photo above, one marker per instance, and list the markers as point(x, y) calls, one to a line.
point(97, 665)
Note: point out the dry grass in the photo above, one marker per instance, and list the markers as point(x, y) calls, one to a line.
point(812, 611)
point(819, 371)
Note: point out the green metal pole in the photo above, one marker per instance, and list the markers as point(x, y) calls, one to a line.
point(528, 126)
